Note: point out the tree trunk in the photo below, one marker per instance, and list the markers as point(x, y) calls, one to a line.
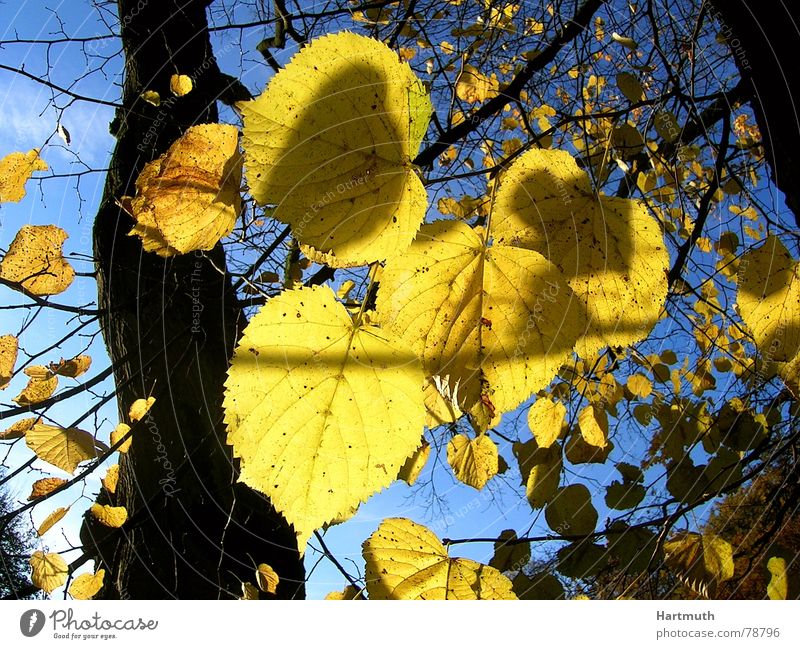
point(170, 328)
point(764, 39)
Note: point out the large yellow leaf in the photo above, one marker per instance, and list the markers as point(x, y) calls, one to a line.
point(39, 389)
point(188, 199)
point(494, 322)
point(407, 561)
point(87, 585)
point(8, 358)
point(64, 448)
point(330, 143)
point(35, 260)
point(609, 248)
point(15, 170)
point(769, 299)
point(323, 411)
point(545, 419)
point(474, 461)
point(701, 561)
point(108, 515)
point(48, 571)
point(593, 424)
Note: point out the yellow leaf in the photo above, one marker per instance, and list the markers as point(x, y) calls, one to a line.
point(44, 486)
point(344, 290)
point(414, 464)
point(8, 358)
point(349, 593)
point(188, 199)
point(18, 428)
point(593, 424)
point(108, 515)
point(266, 578)
point(37, 390)
point(570, 512)
point(15, 170)
point(109, 481)
point(87, 585)
point(474, 461)
point(625, 41)
point(180, 85)
point(545, 419)
point(322, 411)
point(64, 448)
point(610, 249)
point(439, 409)
point(119, 432)
point(495, 323)
point(51, 520)
point(48, 571)
point(249, 591)
point(140, 408)
point(769, 299)
point(330, 143)
point(406, 561)
point(701, 561)
point(151, 97)
point(35, 260)
point(475, 87)
point(778, 586)
point(544, 475)
point(72, 368)
point(639, 386)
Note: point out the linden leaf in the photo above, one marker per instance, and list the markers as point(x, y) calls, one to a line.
point(545, 419)
point(180, 85)
point(701, 561)
point(15, 170)
point(330, 143)
point(87, 585)
point(543, 478)
point(570, 512)
point(407, 561)
point(639, 385)
point(510, 556)
point(119, 433)
point(610, 249)
point(18, 429)
point(322, 411)
point(188, 199)
point(108, 515)
point(140, 408)
point(266, 578)
point(44, 486)
point(769, 299)
point(474, 461)
point(413, 467)
point(36, 262)
point(475, 87)
point(439, 409)
point(495, 323)
point(624, 496)
point(38, 389)
point(593, 424)
point(778, 586)
point(151, 97)
point(349, 593)
point(630, 87)
point(72, 368)
point(249, 591)
point(48, 571)
point(64, 448)
point(51, 520)
point(8, 358)
point(109, 481)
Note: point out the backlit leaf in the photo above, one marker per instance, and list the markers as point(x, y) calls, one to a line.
point(108, 515)
point(73, 367)
point(48, 570)
point(349, 593)
point(18, 429)
point(510, 556)
point(407, 561)
point(188, 199)
point(38, 389)
point(64, 448)
point(593, 424)
point(87, 585)
point(35, 260)
point(570, 512)
point(778, 586)
point(701, 561)
point(44, 486)
point(474, 87)
point(474, 461)
point(544, 476)
point(266, 578)
point(15, 170)
point(140, 408)
point(414, 464)
point(109, 481)
point(8, 358)
point(180, 85)
point(330, 143)
point(51, 520)
point(545, 419)
point(323, 411)
point(119, 433)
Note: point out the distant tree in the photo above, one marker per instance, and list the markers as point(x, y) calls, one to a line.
point(17, 541)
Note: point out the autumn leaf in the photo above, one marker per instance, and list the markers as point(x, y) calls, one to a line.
point(474, 461)
point(474, 87)
point(323, 411)
point(64, 448)
point(188, 199)
point(44, 486)
point(349, 593)
point(139, 408)
point(8, 358)
point(701, 561)
point(109, 481)
point(18, 429)
point(35, 260)
point(118, 434)
point(180, 85)
point(266, 578)
point(439, 409)
point(570, 512)
point(494, 322)
point(48, 570)
point(406, 561)
point(73, 367)
point(108, 515)
point(610, 249)
point(39, 388)
point(593, 424)
point(15, 170)
point(778, 586)
point(510, 556)
point(543, 476)
point(87, 585)
point(51, 520)
point(330, 143)
point(545, 419)
point(414, 464)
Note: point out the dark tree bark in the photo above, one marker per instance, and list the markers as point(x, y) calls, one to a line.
point(764, 37)
point(170, 329)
